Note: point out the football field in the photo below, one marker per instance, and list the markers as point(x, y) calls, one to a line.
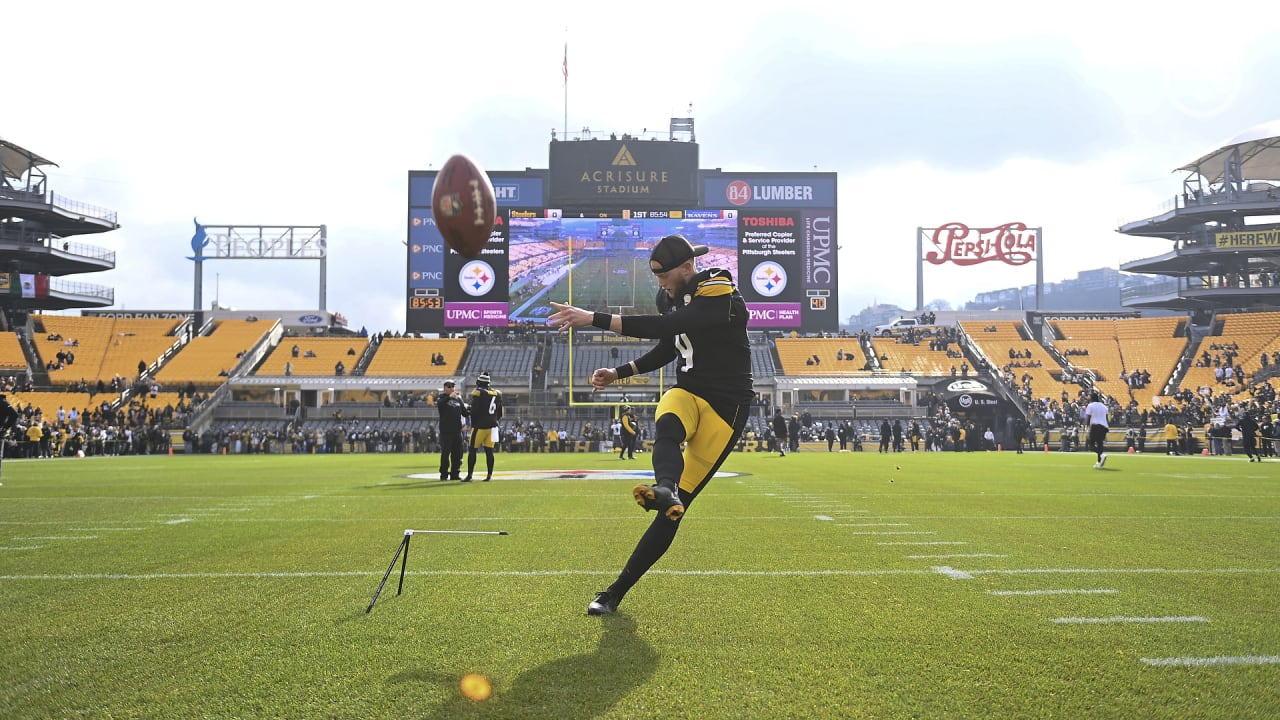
point(612, 282)
point(824, 585)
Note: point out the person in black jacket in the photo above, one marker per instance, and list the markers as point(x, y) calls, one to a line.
point(8, 421)
point(452, 410)
point(779, 424)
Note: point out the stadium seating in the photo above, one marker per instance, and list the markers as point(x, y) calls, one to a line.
point(996, 338)
point(203, 360)
point(762, 365)
point(1120, 346)
point(913, 358)
point(411, 357)
point(12, 358)
point(325, 354)
point(104, 347)
point(1249, 333)
point(796, 355)
point(49, 402)
point(501, 360)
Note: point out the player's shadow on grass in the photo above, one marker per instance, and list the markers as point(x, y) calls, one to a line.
point(579, 686)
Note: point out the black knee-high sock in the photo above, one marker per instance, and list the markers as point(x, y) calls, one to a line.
point(653, 544)
point(668, 460)
point(488, 459)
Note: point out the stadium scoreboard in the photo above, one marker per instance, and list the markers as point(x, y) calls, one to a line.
point(560, 238)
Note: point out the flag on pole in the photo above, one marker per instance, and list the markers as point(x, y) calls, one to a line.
point(564, 67)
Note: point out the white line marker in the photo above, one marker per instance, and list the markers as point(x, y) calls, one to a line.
point(458, 573)
point(875, 524)
point(1122, 619)
point(924, 542)
point(179, 521)
point(59, 537)
point(952, 573)
point(103, 529)
point(22, 547)
point(823, 517)
point(1127, 571)
point(945, 557)
point(1003, 593)
point(1220, 660)
point(895, 532)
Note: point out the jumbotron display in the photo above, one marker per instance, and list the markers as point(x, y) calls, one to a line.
point(776, 233)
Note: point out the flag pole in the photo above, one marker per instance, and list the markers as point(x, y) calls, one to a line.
point(564, 69)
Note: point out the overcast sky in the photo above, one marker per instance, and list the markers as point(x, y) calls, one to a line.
point(1066, 116)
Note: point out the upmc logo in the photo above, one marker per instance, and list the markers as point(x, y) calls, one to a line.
point(738, 192)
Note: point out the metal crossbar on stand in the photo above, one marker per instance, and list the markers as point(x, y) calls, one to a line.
point(402, 554)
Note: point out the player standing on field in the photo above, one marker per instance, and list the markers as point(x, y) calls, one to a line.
point(702, 324)
point(629, 431)
point(1249, 436)
point(1095, 416)
point(486, 411)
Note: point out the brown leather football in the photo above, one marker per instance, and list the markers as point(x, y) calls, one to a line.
point(463, 205)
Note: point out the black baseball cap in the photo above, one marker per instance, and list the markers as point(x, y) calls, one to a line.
point(448, 383)
point(673, 251)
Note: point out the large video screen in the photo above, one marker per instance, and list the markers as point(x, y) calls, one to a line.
point(782, 258)
point(603, 263)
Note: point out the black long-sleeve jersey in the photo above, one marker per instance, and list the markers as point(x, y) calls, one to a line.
point(486, 408)
point(705, 330)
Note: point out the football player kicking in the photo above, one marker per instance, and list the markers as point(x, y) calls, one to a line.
point(702, 325)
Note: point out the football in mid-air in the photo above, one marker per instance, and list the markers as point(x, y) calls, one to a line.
point(463, 205)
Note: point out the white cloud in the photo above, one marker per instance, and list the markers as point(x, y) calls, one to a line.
point(306, 113)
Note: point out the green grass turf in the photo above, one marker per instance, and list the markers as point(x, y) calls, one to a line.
point(596, 285)
point(253, 606)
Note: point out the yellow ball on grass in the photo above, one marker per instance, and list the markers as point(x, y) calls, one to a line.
point(476, 687)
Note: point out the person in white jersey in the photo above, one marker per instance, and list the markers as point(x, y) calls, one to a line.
point(1095, 416)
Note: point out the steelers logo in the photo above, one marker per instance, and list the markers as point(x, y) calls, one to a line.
point(477, 278)
point(769, 279)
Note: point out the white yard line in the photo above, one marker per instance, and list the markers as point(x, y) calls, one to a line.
point(943, 570)
point(874, 525)
point(925, 542)
point(1125, 619)
point(945, 557)
point(465, 573)
point(1126, 571)
point(1005, 593)
point(1220, 660)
